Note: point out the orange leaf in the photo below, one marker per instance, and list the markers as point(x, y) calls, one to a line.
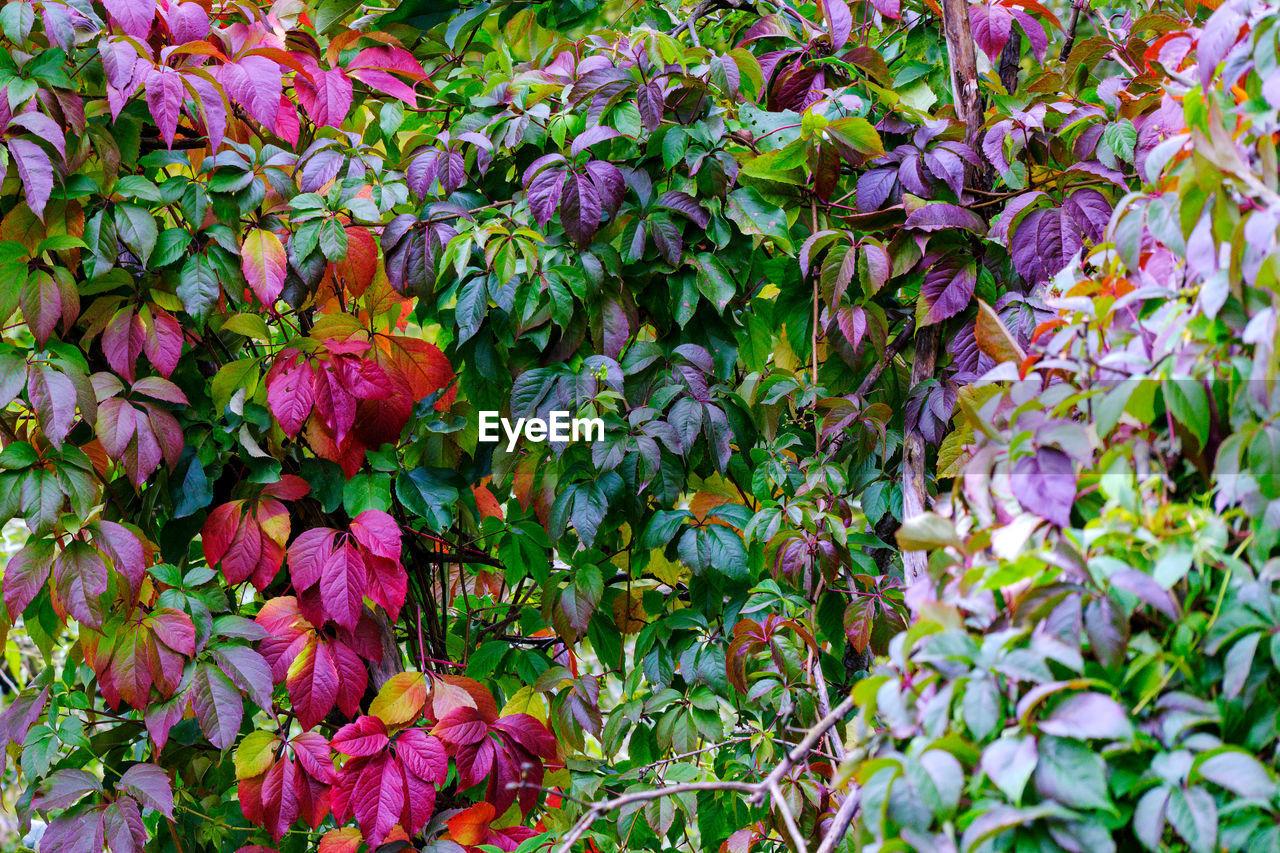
point(470, 827)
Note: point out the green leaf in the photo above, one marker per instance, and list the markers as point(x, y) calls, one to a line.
point(1072, 773)
point(137, 229)
point(753, 215)
point(714, 280)
point(198, 287)
point(428, 493)
point(367, 490)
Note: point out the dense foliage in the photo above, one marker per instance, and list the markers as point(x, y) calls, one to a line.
point(939, 497)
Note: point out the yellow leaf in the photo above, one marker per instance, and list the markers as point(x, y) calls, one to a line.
point(665, 570)
point(526, 701)
point(255, 754)
point(401, 699)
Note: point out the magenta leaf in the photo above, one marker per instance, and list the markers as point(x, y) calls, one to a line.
point(164, 93)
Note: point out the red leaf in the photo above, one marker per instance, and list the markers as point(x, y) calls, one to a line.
point(528, 731)
point(357, 269)
point(289, 487)
point(279, 799)
point(263, 260)
point(313, 683)
point(287, 123)
point(353, 677)
point(366, 736)
point(312, 752)
point(423, 755)
point(422, 364)
point(164, 92)
point(378, 798)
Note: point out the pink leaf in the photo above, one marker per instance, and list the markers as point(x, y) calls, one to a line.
point(378, 798)
point(313, 683)
point(163, 341)
point(378, 532)
point(307, 555)
point(115, 426)
point(122, 546)
point(188, 22)
point(24, 574)
point(218, 706)
point(133, 16)
point(160, 389)
point(255, 83)
point(325, 95)
point(263, 260)
point(291, 393)
point(122, 342)
point(164, 97)
point(423, 755)
point(213, 107)
point(343, 580)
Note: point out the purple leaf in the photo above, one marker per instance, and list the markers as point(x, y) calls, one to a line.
point(889, 8)
point(667, 238)
point(36, 171)
point(1220, 33)
point(1089, 715)
point(544, 192)
point(839, 21)
point(875, 187)
point(1045, 484)
point(149, 785)
point(133, 16)
point(218, 706)
point(580, 208)
point(1145, 588)
point(946, 290)
point(247, 670)
point(682, 202)
point(587, 138)
point(941, 215)
point(609, 184)
point(43, 127)
point(1090, 210)
point(1035, 33)
point(422, 171)
point(1043, 243)
point(650, 101)
point(64, 788)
